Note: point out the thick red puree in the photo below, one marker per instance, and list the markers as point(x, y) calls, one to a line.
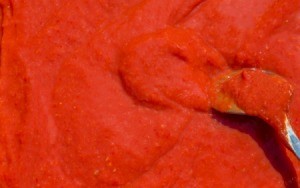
point(257, 93)
point(102, 93)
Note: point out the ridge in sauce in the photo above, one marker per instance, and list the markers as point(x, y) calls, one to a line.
point(117, 93)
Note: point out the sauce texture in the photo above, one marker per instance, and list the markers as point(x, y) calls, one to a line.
point(118, 93)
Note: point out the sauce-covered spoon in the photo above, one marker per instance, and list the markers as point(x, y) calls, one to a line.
point(258, 93)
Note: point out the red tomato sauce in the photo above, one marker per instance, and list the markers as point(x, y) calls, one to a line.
point(258, 93)
point(117, 93)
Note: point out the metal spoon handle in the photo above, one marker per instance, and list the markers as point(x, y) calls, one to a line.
point(292, 139)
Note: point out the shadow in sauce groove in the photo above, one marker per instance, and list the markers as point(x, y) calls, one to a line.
point(266, 139)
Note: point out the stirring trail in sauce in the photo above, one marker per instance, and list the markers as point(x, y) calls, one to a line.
point(120, 93)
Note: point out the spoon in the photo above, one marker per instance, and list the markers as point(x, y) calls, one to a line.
point(259, 93)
